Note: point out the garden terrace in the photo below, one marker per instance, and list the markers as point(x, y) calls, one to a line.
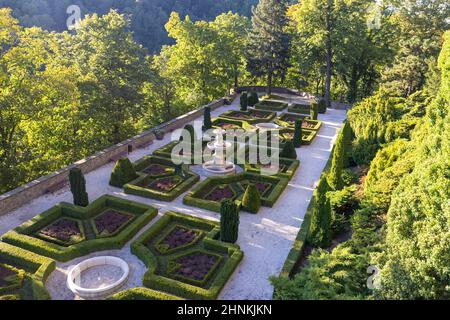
point(158, 179)
point(271, 105)
point(251, 116)
point(26, 273)
point(211, 192)
point(184, 257)
point(242, 128)
point(65, 231)
point(300, 108)
point(288, 120)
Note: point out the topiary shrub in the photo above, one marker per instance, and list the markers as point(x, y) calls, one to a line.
point(322, 106)
point(229, 221)
point(122, 173)
point(320, 230)
point(297, 141)
point(244, 101)
point(78, 187)
point(314, 111)
point(253, 98)
point(288, 151)
point(189, 128)
point(159, 134)
point(207, 118)
point(251, 202)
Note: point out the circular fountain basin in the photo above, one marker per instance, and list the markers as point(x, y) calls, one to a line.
point(103, 285)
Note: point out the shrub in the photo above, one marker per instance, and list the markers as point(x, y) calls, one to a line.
point(320, 232)
point(314, 111)
point(229, 221)
point(337, 165)
point(78, 187)
point(189, 129)
point(288, 151)
point(298, 134)
point(207, 118)
point(122, 173)
point(159, 134)
point(244, 101)
point(251, 202)
point(322, 106)
point(142, 294)
point(253, 98)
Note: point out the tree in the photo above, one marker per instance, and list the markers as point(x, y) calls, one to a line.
point(320, 231)
point(207, 118)
point(298, 136)
point(251, 202)
point(243, 100)
point(314, 111)
point(335, 179)
point(268, 43)
point(78, 187)
point(123, 172)
point(322, 106)
point(253, 98)
point(229, 221)
point(288, 151)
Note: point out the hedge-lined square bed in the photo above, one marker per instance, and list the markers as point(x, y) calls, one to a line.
point(286, 167)
point(288, 120)
point(212, 191)
point(307, 135)
point(192, 153)
point(271, 105)
point(107, 223)
point(23, 274)
point(195, 266)
point(300, 108)
point(162, 182)
point(251, 116)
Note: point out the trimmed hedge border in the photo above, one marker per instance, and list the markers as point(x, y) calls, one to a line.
point(176, 287)
point(195, 196)
point(142, 294)
point(281, 121)
point(37, 269)
point(21, 235)
point(300, 108)
point(292, 166)
point(271, 105)
point(270, 116)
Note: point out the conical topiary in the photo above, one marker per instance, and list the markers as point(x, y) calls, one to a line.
point(190, 129)
point(78, 187)
point(244, 101)
point(229, 221)
point(314, 111)
point(251, 202)
point(288, 151)
point(322, 106)
point(122, 173)
point(207, 119)
point(253, 98)
point(298, 134)
point(320, 231)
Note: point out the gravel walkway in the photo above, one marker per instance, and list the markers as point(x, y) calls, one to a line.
point(265, 238)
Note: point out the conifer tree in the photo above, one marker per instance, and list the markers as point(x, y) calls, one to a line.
point(229, 221)
point(78, 187)
point(207, 118)
point(298, 134)
point(337, 165)
point(288, 151)
point(320, 230)
point(244, 101)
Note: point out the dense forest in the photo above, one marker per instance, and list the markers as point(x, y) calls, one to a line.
point(65, 95)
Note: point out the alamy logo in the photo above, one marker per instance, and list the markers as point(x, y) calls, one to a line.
point(73, 21)
point(373, 282)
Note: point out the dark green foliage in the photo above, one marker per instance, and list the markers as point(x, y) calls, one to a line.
point(229, 221)
point(298, 134)
point(78, 187)
point(122, 173)
point(251, 202)
point(320, 232)
point(190, 131)
point(244, 101)
point(159, 134)
point(337, 166)
point(253, 98)
point(207, 118)
point(314, 111)
point(322, 106)
point(142, 294)
point(347, 143)
point(288, 151)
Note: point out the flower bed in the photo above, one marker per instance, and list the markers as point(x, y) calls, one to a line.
point(251, 116)
point(271, 105)
point(300, 108)
point(288, 120)
point(178, 237)
point(242, 129)
point(307, 136)
point(64, 231)
point(114, 235)
point(200, 195)
point(286, 167)
point(195, 269)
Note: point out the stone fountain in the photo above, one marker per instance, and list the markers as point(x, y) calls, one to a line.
point(219, 165)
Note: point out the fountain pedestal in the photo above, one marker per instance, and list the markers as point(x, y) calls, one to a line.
point(219, 165)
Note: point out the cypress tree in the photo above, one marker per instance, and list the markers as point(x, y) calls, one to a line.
point(78, 187)
point(229, 221)
point(288, 151)
point(298, 134)
point(347, 137)
point(251, 202)
point(244, 101)
point(322, 106)
point(207, 118)
point(337, 165)
point(314, 111)
point(320, 230)
point(268, 45)
point(253, 98)
point(122, 173)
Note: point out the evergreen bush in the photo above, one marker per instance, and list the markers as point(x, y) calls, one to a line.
point(322, 106)
point(229, 221)
point(78, 187)
point(298, 134)
point(314, 111)
point(320, 232)
point(207, 118)
point(253, 98)
point(251, 202)
point(122, 173)
point(244, 101)
point(288, 151)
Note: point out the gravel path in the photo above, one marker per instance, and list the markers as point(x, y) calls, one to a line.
point(265, 238)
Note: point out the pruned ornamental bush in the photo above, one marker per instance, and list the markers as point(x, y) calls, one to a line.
point(207, 118)
point(78, 187)
point(314, 111)
point(229, 221)
point(251, 202)
point(298, 134)
point(288, 151)
point(322, 106)
point(244, 101)
point(189, 129)
point(253, 98)
point(122, 173)
point(320, 232)
point(159, 134)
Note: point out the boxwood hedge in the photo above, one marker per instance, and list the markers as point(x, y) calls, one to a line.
point(271, 105)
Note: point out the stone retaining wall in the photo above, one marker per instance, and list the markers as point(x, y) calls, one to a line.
point(23, 194)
